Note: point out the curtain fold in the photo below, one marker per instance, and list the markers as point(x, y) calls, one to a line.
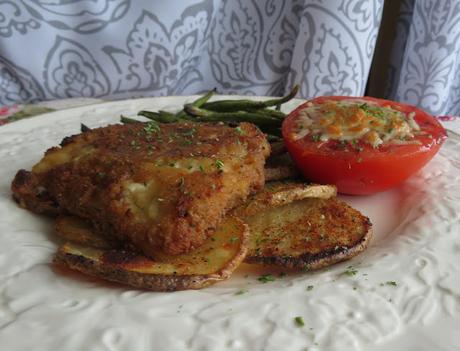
point(125, 48)
point(425, 63)
point(338, 56)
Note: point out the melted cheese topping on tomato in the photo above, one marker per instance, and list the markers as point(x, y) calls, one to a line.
point(356, 119)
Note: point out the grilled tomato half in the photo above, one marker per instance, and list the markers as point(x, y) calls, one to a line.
point(363, 145)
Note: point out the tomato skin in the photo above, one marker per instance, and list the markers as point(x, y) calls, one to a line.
point(367, 170)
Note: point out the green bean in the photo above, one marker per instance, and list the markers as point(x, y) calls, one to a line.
point(246, 105)
point(270, 112)
point(271, 130)
point(204, 99)
point(197, 103)
point(161, 116)
point(127, 120)
point(166, 114)
point(237, 116)
point(84, 128)
point(273, 138)
point(284, 99)
point(168, 117)
point(156, 117)
point(267, 115)
point(148, 114)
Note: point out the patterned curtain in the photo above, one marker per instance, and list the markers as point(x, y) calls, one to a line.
point(126, 48)
point(425, 62)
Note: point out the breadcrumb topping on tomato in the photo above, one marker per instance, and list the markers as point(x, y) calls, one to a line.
point(362, 145)
point(356, 119)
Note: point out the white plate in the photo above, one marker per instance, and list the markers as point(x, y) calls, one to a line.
point(416, 245)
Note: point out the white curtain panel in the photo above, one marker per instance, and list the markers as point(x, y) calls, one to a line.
point(425, 63)
point(51, 49)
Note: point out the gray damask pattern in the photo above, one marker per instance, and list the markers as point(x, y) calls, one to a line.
point(72, 71)
point(27, 15)
point(251, 45)
point(425, 68)
point(124, 48)
point(14, 17)
point(161, 60)
point(16, 84)
point(70, 15)
point(335, 46)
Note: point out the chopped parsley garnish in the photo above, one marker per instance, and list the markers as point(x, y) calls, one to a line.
point(219, 165)
point(242, 291)
point(316, 137)
point(351, 271)
point(299, 321)
point(201, 168)
point(376, 111)
point(189, 132)
point(152, 127)
point(389, 283)
point(265, 278)
point(240, 131)
point(233, 239)
point(358, 147)
point(310, 288)
point(364, 107)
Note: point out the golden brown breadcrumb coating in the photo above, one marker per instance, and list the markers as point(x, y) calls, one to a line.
point(157, 187)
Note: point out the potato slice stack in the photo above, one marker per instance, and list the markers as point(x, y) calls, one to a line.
point(289, 224)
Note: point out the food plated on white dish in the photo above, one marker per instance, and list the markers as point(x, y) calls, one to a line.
point(396, 267)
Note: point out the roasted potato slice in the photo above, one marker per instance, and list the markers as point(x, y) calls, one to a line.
point(75, 230)
point(279, 165)
point(281, 193)
point(214, 261)
point(309, 234)
point(273, 173)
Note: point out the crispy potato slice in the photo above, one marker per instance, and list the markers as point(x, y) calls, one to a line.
point(308, 234)
point(279, 165)
point(281, 193)
point(214, 261)
point(273, 173)
point(75, 230)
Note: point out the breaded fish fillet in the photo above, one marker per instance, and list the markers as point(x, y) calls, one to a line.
point(157, 187)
